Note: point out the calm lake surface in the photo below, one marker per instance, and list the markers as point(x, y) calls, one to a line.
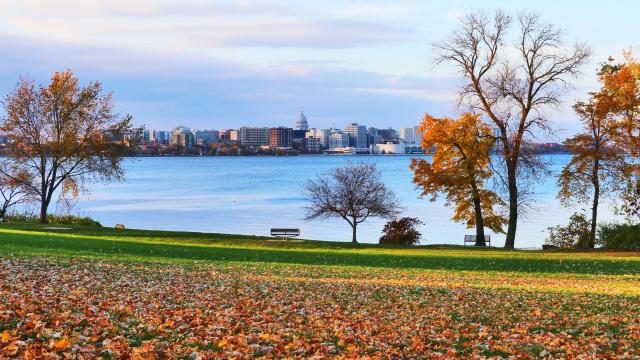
point(249, 195)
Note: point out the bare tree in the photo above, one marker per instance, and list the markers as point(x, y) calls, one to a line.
point(12, 189)
point(62, 136)
point(354, 193)
point(512, 85)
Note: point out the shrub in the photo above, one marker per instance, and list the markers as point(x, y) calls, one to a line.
point(54, 219)
point(619, 236)
point(401, 232)
point(73, 220)
point(573, 235)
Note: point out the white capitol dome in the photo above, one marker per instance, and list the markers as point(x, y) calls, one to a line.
point(301, 122)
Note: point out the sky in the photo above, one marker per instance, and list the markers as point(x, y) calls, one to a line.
point(222, 64)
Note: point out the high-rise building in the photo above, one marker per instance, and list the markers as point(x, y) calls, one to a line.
point(417, 135)
point(338, 139)
point(280, 137)
point(182, 136)
point(160, 137)
point(320, 134)
point(357, 135)
point(146, 136)
point(301, 122)
point(407, 135)
point(206, 137)
point(374, 136)
point(297, 136)
point(388, 136)
point(230, 134)
point(254, 136)
point(312, 145)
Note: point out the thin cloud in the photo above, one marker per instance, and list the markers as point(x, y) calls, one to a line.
point(192, 24)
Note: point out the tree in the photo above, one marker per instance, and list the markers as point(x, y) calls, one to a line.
point(621, 86)
point(630, 199)
point(512, 86)
point(459, 167)
point(354, 193)
point(401, 232)
point(575, 234)
point(598, 166)
point(12, 190)
point(62, 135)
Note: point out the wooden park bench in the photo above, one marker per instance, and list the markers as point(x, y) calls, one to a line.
point(472, 239)
point(285, 233)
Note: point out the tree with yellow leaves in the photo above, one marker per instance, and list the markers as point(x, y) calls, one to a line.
point(62, 136)
point(459, 169)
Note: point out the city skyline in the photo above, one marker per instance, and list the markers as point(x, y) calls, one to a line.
point(217, 64)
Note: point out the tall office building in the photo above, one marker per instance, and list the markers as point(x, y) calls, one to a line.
point(301, 122)
point(338, 139)
point(182, 136)
point(388, 135)
point(417, 135)
point(230, 134)
point(321, 134)
point(206, 137)
point(357, 135)
point(280, 137)
point(407, 135)
point(374, 136)
point(254, 136)
point(312, 145)
point(160, 137)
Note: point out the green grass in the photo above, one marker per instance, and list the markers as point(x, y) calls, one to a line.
point(165, 246)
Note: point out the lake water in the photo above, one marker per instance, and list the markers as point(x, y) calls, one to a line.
point(249, 195)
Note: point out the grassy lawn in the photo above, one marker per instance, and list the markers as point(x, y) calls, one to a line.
point(97, 292)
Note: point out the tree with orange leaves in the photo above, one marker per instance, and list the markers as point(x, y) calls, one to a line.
point(459, 169)
point(621, 86)
point(61, 135)
point(599, 165)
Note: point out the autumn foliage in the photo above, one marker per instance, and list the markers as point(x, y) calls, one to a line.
point(459, 168)
point(603, 153)
point(78, 309)
point(61, 136)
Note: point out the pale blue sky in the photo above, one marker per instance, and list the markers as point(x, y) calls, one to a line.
point(220, 64)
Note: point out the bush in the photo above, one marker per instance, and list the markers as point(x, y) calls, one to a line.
point(73, 220)
point(619, 236)
point(573, 235)
point(55, 219)
point(401, 232)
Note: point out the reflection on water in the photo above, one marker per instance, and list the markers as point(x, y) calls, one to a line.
point(249, 195)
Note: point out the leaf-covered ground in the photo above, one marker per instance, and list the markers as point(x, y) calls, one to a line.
point(90, 308)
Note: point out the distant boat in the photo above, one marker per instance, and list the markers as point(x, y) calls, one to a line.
point(341, 151)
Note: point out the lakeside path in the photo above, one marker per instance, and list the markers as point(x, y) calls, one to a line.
point(103, 293)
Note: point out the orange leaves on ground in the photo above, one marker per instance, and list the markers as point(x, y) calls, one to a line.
point(82, 309)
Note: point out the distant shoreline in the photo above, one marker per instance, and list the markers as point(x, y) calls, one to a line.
point(296, 155)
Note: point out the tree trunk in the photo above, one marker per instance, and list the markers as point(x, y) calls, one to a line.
point(480, 241)
point(594, 209)
point(353, 228)
point(513, 207)
point(43, 212)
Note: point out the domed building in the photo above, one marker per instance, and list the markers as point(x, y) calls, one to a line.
point(301, 122)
